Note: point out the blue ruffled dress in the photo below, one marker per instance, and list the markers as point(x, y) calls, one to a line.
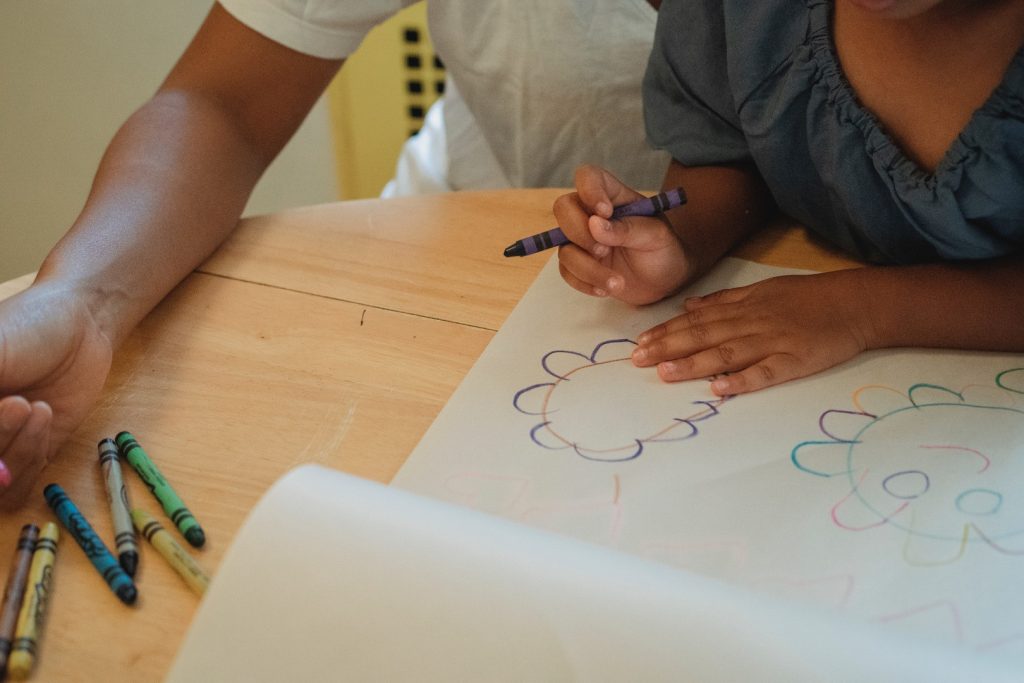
point(743, 80)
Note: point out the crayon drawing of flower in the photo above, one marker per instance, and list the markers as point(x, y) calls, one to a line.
point(603, 408)
point(941, 465)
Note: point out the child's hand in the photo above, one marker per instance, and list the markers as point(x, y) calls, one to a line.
point(767, 333)
point(637, 260)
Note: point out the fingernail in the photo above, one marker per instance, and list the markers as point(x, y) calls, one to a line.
point(667, 367)
point(720, 386)
point(639, 353)
point(5, 475)
point(604, 208)
point(600, 292)
point(5, 419)
point(643, 338)
point(606, 225)
point(614, 283)
point(601, 250)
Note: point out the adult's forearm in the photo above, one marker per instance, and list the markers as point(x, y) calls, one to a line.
point(168, 191)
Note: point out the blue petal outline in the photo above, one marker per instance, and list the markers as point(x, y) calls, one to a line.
point(544, 362)
point(515, 399)
point(533, 437)
point(669, 439)
point(597, 349)
point(639, 450)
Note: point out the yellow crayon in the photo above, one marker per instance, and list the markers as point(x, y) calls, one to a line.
point(176, 556)
point(33, 606)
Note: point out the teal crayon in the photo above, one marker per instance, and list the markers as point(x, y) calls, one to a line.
point(80, 529)
point(120, 515)
point(172, 504)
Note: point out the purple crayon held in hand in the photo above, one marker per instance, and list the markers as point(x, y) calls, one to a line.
point(648, 206)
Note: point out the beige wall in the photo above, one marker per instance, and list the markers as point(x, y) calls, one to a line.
point(70, 72)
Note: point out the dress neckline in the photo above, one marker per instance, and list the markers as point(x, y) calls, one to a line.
point(880, 145)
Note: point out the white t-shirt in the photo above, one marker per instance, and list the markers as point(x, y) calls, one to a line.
point(535, 87)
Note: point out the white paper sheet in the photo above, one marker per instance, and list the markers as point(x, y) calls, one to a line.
point(333, 578)
point(889, 490)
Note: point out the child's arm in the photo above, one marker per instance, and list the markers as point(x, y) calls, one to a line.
point(790, 327)
point(642, 260)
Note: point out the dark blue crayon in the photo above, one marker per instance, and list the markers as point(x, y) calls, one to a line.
point(80, 529)
point(648, 206)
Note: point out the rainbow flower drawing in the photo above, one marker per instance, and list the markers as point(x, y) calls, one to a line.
point(935, 462)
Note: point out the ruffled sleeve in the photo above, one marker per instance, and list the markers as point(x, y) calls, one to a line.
point(688, 105)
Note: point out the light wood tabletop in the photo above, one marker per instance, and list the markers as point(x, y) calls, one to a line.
point(331, 334)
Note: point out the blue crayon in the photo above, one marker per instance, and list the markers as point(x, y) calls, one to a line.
point(80, 529)
point(647, 206)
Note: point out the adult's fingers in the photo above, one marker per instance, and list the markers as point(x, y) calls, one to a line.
point(26, 455)
point(14, 412)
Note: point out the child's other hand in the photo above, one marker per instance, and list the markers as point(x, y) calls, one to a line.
point(765, 334)
point(636, 260)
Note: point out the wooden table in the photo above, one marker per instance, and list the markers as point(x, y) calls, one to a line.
point(331, 334)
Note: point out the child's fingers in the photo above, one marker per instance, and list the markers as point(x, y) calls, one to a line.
point(694, 325)
point(639, 233)
point(729, 356)
point(572, 219)
point(687, 341)
point(722, 296)
point(587, 270)
point(774, 369)
point(578, 284)
point(600, 191)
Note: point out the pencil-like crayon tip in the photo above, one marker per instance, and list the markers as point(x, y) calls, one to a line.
point(515, 249)
point(128, 594)
point(129, 562)
point(195, 537)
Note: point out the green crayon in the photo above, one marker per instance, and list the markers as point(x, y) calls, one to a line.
point(172, 504)
point(17, 581)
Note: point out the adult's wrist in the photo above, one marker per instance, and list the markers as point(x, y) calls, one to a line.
point(108, 304)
